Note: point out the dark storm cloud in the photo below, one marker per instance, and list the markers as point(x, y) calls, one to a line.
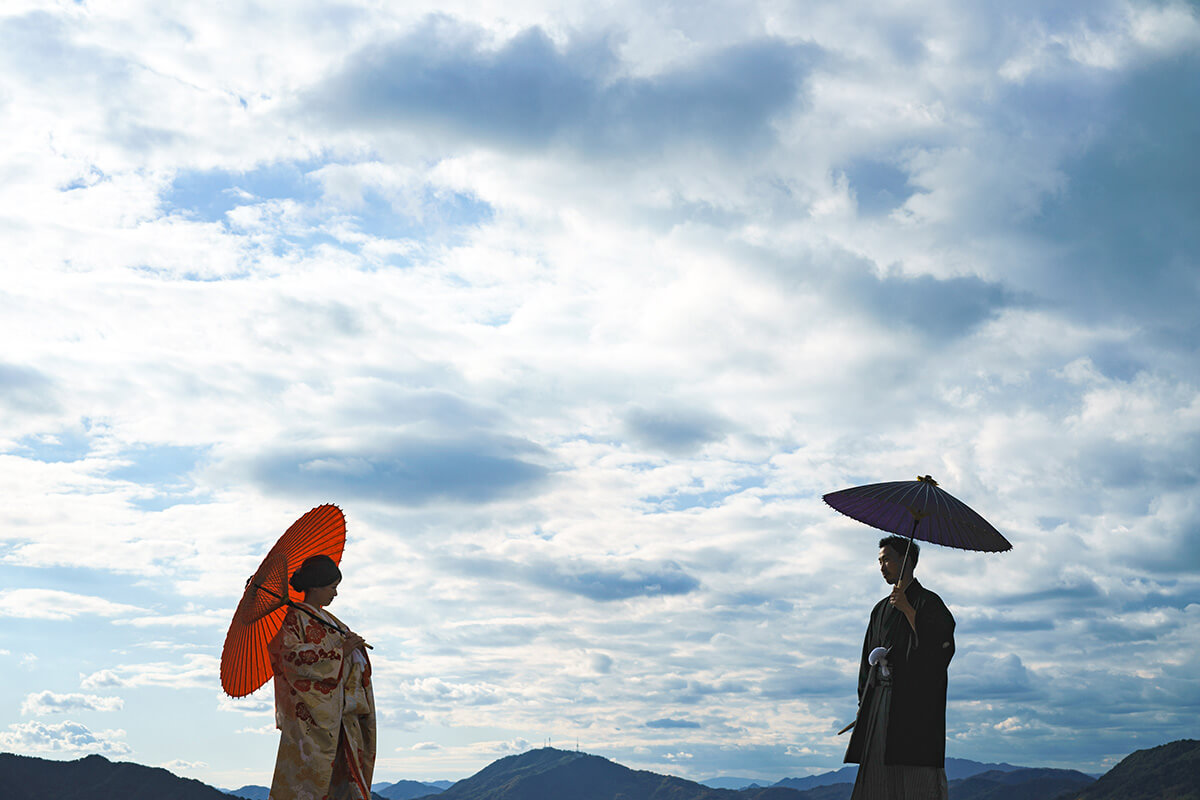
point(1077, 593)
point(878, 186)
point(983, 676)
point(1124, 227)
point(1115, 464)
point(810, 681)
point(437, 409)
point(529, 92)
point(982, 626)
point(938, 307)
point(406, 470)
point(676, 431)
point(602, 581)
point(943, 308)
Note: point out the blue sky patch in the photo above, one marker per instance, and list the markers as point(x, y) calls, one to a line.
point(442, 213)
point(683, 499)
point(209, 195)
point(159, 465)
point(55, 448)
point(878, 185)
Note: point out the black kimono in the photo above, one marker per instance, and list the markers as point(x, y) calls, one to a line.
point(911, 702)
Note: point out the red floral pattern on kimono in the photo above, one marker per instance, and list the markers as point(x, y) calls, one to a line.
point(325, 712)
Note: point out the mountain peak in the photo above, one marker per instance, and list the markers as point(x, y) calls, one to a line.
point(549, 772)
point(95, 777)
point(1168, 770)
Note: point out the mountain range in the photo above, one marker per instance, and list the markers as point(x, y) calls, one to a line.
point(95, 778)
point(956, 769)
point(1167, 772)
point(407, 790)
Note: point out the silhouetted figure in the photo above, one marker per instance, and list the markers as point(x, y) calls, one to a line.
point(324, 704)
point(899, 739)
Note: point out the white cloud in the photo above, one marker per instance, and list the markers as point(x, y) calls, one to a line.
point(103, 679)
point(48, 702)
point(63, 737)
point(206, 619)
point(197, 670)
point(52, 604)
point(261, 702)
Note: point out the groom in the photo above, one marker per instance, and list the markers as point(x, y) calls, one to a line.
point(899, 739)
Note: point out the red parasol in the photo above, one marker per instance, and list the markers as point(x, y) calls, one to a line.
point(245, 664)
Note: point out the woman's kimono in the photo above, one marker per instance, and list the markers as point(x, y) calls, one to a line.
point(325, 712)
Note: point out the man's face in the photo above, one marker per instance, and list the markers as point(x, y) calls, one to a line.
point(889, 564)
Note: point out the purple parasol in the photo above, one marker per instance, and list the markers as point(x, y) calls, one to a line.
point(919, 510)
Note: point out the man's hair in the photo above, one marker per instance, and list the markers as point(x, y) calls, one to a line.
point(900, 545)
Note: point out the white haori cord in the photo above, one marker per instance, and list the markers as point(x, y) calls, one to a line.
point(879, 656)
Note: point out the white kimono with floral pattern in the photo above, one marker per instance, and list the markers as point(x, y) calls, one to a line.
point(325, 712)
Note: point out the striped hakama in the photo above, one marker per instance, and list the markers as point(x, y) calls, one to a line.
point(879, 781)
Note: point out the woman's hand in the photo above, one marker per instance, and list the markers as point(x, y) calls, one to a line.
point(352, 642)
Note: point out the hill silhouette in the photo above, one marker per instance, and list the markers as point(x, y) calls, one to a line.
point(407, 790)
point(1019, 784)
point(550, 773)
point(956, 768)
point(1167, 772)
point(95, 778)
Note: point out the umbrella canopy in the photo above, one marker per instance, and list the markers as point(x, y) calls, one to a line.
point(245, 664)
point(919, 510)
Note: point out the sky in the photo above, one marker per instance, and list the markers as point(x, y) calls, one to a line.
point(576, 310)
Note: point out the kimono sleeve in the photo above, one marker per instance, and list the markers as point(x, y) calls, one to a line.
point(310, 655)
point(933, 645)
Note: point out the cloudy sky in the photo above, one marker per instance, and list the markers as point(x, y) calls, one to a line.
point(577, 310)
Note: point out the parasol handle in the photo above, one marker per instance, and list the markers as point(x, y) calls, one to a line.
point(284, 601)
point(911, 535)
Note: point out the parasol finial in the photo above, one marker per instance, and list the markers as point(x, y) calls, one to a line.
point(927, 479)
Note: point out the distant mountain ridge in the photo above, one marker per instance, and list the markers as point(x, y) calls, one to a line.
point(956, 768)
point(400, 790)
point(95, 778)
point(407, 790)
point(550, 773)
point(1167, 772)
point(1019, 784)
point(253, 792)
